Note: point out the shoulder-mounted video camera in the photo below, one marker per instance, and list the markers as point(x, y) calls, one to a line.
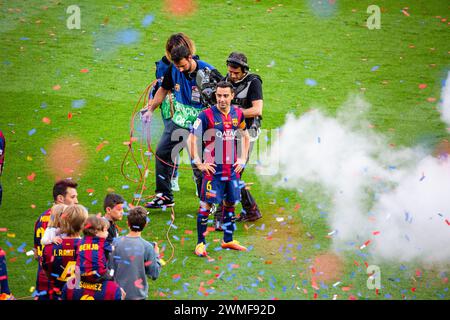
point(207, 80)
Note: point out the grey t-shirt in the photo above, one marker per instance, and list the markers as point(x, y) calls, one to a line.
point(133, 260)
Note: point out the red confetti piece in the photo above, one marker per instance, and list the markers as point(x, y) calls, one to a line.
point(3, 229)
point(346, 288)
point(431, 99)
point(89, 190)
point(422, 86)
point(56, 87)
point(297, 206)
point(234, 266)
point(268, 262)
point(46, 120)
point(315, 295)
point(138, 283)
point(413, 289)
point(405, 13)
point(84, 70)
point(375, 233)
point(176, 276)
point(148, 263)
point(188, 231)
point(31, 176)
point(69, 115)
point(448, 222)
point(100, 147)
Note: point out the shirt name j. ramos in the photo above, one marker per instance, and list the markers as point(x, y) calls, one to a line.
point(63, 252)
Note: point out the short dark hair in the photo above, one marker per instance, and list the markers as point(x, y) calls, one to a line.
point(111, 200)
point(225, 84)
point(180, 53)
point(238, 60)
point(60, 187)
point(137, 218)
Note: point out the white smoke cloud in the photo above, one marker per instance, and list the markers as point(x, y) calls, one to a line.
point(393, 202)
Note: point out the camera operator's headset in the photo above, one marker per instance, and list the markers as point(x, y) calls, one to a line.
point(242, 63)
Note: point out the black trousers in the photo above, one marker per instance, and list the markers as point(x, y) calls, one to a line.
point(173, 140)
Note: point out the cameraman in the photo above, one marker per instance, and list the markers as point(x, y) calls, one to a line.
point(249, 97)
point(180, 78)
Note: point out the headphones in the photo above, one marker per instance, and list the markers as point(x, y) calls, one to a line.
point(232, 59)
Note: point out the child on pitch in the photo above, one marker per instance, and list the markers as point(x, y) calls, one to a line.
point(93, 281)
point(52, 233)
point(93, 251)
point(135, 259)
point(113, 206)
point(59, 260)
point(5, 292)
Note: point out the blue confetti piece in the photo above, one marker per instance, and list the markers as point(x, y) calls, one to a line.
point(310, 82)
point(375, 68)
point(148, 20)
point(24, 38)
point(176, 238)
point(271, 284)
point(8, 243)
point(31, 132)
point(124, 187)
point(94, 202)
point(77, 104)
point(44, 105)
point(43, 151)
point(29, 261)
point(106, 158)
point(127, 36)
point(22, 246)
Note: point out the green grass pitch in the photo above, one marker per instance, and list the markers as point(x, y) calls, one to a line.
point(86, 82)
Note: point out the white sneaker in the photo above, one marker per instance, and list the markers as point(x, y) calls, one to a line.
point(175, 186)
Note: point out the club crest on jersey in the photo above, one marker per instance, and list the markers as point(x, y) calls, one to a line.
point(235, 122)
point(177, 87)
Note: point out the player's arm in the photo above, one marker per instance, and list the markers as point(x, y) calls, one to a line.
point(198, 130)
point(245, 145)
point(209, 168)
point(255, 95)
point(255, 110)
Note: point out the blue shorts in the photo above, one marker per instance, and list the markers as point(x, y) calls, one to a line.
point(215, 190)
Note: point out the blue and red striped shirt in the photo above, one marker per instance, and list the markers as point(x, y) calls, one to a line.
point(59, 260)
point(92, 259)
point(106, 290)
point(218, 135)
point(43, 284)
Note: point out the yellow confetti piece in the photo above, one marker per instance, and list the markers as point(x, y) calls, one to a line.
point(163, 263)
point(11, 235)
point(31, 289)
point(29, 158)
